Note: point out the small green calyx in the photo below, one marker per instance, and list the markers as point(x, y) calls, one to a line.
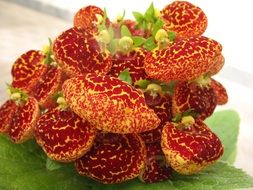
point(126, 44)
point(185, 116)
point(17, 95)
point(120, 17)
point(47, 51)
point(60, 100)
point(62, 103)
point(161, 35)
point(162, 39)
point(185, 123)
point(203, 80)
point(142, 83)
point(188, 120)
point(104, 37)
point(154, 89)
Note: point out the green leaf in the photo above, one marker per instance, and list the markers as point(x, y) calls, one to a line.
point(220, 176)
point(168, 87)
point(150, 44)
point(23, 167)
point(112, 47)
point(125, 31)
point(138, 41)
point(111, 31)
point(226, 125)
point(144, 25)
point(125, 76)
point(158, 25)
point(142, 83)
point(53, 165)
point(150, 14)
point(138, 17)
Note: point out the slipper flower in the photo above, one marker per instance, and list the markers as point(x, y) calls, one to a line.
point(156, 169)
point(201, 100)
point(184, 18)
point(109, 104)
point(183, 60)
point(190, 146)
point(133, 61)
point(27, 70)
point(63, 135)
point(79, 52)
point(7, 111)
point(113, 161)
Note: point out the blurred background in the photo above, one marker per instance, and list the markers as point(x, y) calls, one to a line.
point(27, 24)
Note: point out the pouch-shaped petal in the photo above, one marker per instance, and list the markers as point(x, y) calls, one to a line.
point(190, 150)
point(190, 96)
point(50, 82)
point(156, 169)
point(78, 52)
point(114, 161)
point(162, 105)
point(184, 18)
point(184, 60)
point(87, 17)
point(7, 111)
point(134, 62)
point(63, 135)
point(220, 92)
point(24, 121)
point(109, 104)
point(27, 70)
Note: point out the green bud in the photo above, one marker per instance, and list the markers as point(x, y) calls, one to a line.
point(104, 37)
point(126, 44)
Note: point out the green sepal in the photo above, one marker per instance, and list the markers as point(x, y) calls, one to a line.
point(138, 41)
point(112, 47)
point(143, 83)
point(122, 18)
point(23, 96)
point(189, 112)
point(168, 87)
point(150, 43)
point(57, 95)
point(111, 31)
point(48, 55)
point(124, 31)
point(172, 36)
point(150, 14)
point(139, 17)
point(157, 26)
point(125, 76)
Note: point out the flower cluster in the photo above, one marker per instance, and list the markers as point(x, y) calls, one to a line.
point(122, 99)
